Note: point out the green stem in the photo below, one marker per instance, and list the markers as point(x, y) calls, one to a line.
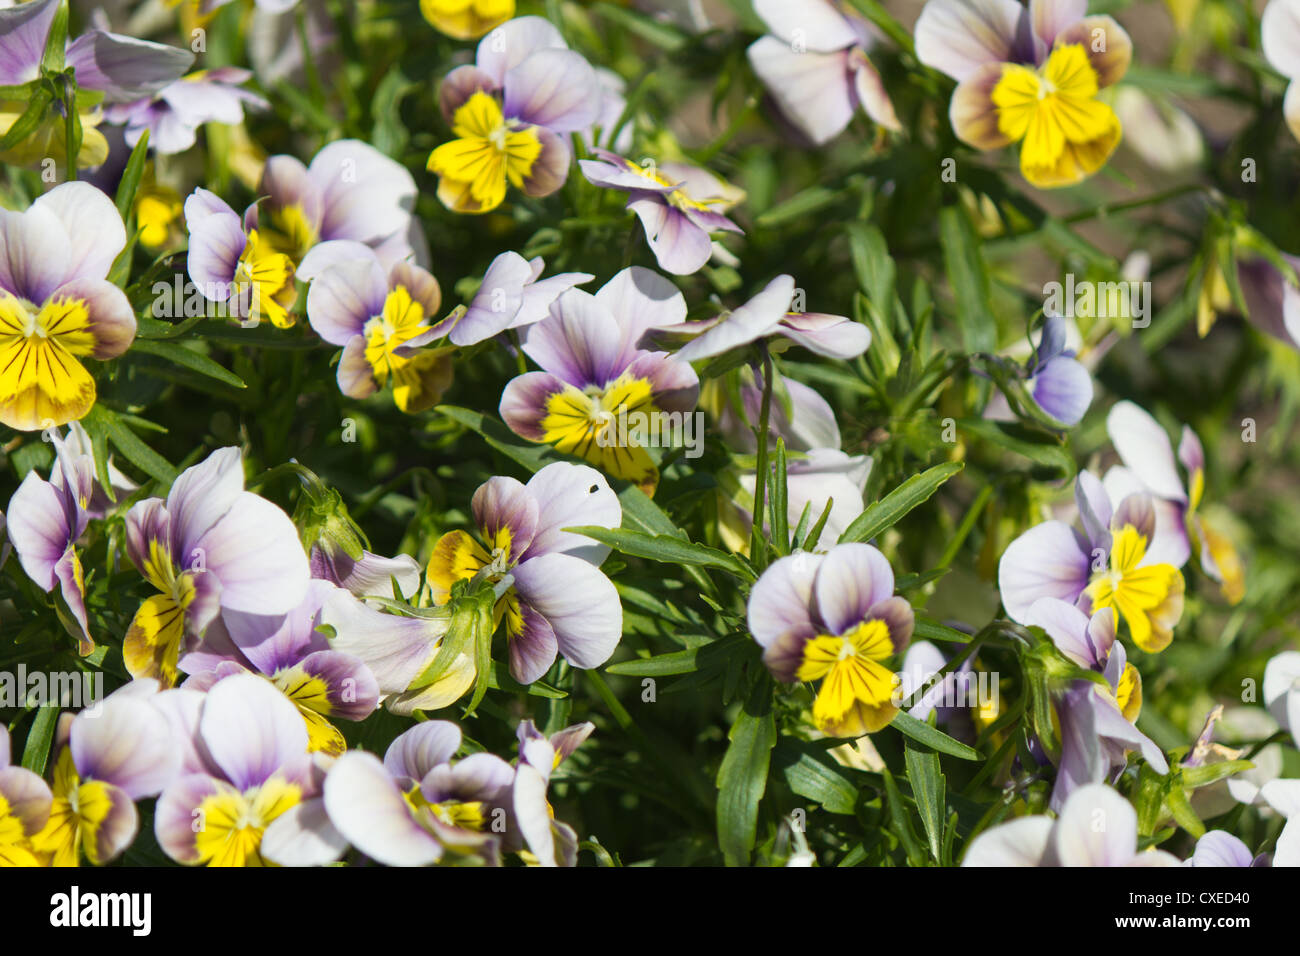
point(757, 547)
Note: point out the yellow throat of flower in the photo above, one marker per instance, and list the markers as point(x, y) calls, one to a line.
point(857, 690)
point(488, 152)
point(42, 383)
point(1148, 597)
point(1068, 133)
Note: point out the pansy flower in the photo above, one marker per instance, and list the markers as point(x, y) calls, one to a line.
point(382, 318)
point(56, 306)
point(210, 547)
point(174, 114)
point(1279, 35)
point(417, 807)
point(25, 803)
point(242, 271)
point(550, 842)
point(1115, 561)
point(1030, 75)
point(289, 651)
point(513, 295)
point(817, 68)
point(45, 521)
point(592, 372)
point(120, 67)
point(679, 206)
point(1056, 381)
point(117, 751)
point(255, 800)
point(1148, 466)
point(1098, 725)
point(834, 618)
point(1220, 848)
point(510, 113)
point(1096, 827)
point(769, 313)
point(349, 191)
point(466, 19)
point(559, 600)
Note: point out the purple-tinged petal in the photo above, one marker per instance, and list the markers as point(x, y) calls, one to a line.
point(94, 227)
point(973, 113)
point(832, 336)
point(1190, 452)
point(581, 342)
point(396, 649)
point(622, 174)
point(641, 299)
point(33, 252)
point(580, 604)
point(366, 806)
point(27, 799)
point(365, 195)
point(123, 67)
point(459, 85)
point(869, 89)
point(532, 813)
point(957, 37)
point(350, 686)
point(303, 836)
point(1109, 48)
point(202, 496)
point(23, 30)
point(1022, 842)
point(174, 815)
point(327, 256)
point(1095, 511)
point(42, 524)
point(567, 496)
point(371, 576)
point(533, 648)
point(779, 612)
point(111, 324)
point(1221, 848)
point(345, 297)
point(217, 241)
point(1145, 449)
point(556, 89)
point(513, 42)
point(117, 830)
point(479, 777)
point(72, 586)
point(758, 317)
point(811, 89)
point(356, 378)
point(523, 403)
point(1050, 17)
point(497, 302)
point(250, 729)
point(255, 553)
point(502, 506)
point(816, 25)
point(286, 182)
point(125, 741)
point(415, 752)
point(1062, 388)
point(1045, 561)
point(680, 246)
point(550, 170)
point(1096, 827)
point(674, 385)
point(182, 708)
point(852, 579)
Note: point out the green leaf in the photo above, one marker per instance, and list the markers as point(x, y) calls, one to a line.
point(531, 456)
point(1206, 774)
point(885, 513)
point(931, 737)
point(499, 679)
point(178, 354)
point(666, 549)
point(56, 42)
point(662, 35)
point(131, 176)
point(902, 823)
point(797, 206)
point(37, 752)
point(969, 277)
point(742, 778)
point(31, 119)
point(1044, 449)
point(811, 778)
point(928, 790)
point(925, 629)
point(129, 444)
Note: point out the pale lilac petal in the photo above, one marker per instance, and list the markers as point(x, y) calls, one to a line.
point(286, 183)
point(1220, 848)
point(112, 319)
point(957, 37)
point(365, 805)
point(33, 253)
point(40, 527)
point(396, 649)
point(345, 297)
point(127, 742)
point(674, 385)
point(1021, 842)
point(779, 614)
point(174, 816)
point(533, 649)
point(680, 246)
point(1097, 827)
point(1190, 452)
point(1145, 449)
point(217, 241)
point(355, 376)
point(852, 579)
point(869, 89)
point(1063, 388)
point(123, 67)
point(1045, 561)
point(326, 256)
point(811, 89)
point(532, 813)
point(415, 752)
point(371, 576)
point(578, 601)
point(303, 836)
point(202, 496)
point(1067, 626)
point(26, 796)
point(813, 24)
point(1095, 511)
point(570, 495)
point(23, 30)
point(250, 729)
point(523, 403)
point(551, 169)
point(513, 42)
point(581, 342)
point(365, 195)
point(458, 86)
point(760, 316)
point(255, 553)
point(556, 89)
point(93, 225)
point(832, 336)
point(503, 504)
point(641, 299)
point(497, 302)
point(1050, 17)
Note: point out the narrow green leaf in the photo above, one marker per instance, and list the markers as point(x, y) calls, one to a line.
point(37, 752)
point(131, 447)
point(665, 549)
point(814, 779)
point(885, 513)
point(928, 790)
point(931, 737)
point(130, 183)
point(902, 823)
point(178, 354)
point(742, 778)
point(969, 277)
